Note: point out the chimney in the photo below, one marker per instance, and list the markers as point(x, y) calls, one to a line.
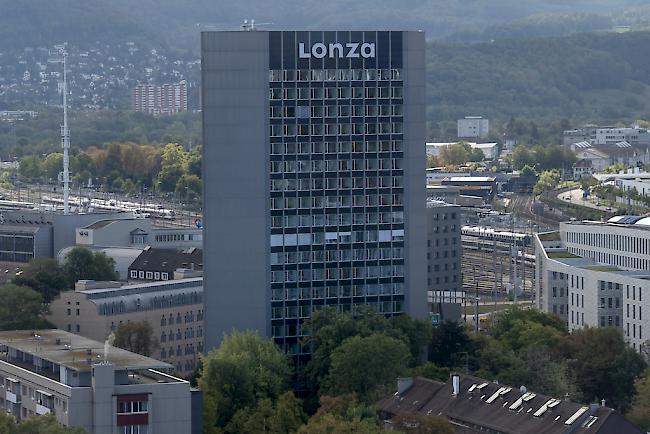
point(602, 403)
point(455, 381)
point(404, 384)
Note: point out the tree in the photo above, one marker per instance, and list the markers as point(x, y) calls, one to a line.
point(189, 188)
point(45, 276)
point(22, 308)
point(52, 165)
point(172, 167)
point(31, 167)
point(527, 170)
point(328, 329)
point(454, 155)
point(547, 181)
point(45, 425)
point(284, 416)
point(136, 337)
point(362, 364)
point(417, 423)
point(448, 343)
point(520, 329)
point(522, 157)
point(329, 424)
point(605, 367)
point(81, 263)
point(244, 370)
point(640, 411)
point(430, 370)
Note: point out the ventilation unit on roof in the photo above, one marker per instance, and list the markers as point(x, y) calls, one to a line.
point(481, 386)
point(471, 388)
point(502, 391)
point(576, 415)
point(592, 420)
point(523, 398)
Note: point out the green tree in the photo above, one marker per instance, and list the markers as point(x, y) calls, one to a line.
point(417, 423)
point(45, 425)
point(329, 424)
point(605, 367)
point(522, 157)
point(284, 416)
point(527, 170)
point(31, 167)
point(81, 263)
point(53, 165)
point(454, 155)
point(45, 276)
point(362, 364)
point(328, 329)
point(520, 329)
point(7, 423)
point(136, 337)
point(188, 188)
point(640, 411)
point(430, 370)
point(547, 181)
point(450, 345)
point(22, 308)
point(244, 370)
point(172, 167)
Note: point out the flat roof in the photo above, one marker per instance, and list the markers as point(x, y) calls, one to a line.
point(74, 351)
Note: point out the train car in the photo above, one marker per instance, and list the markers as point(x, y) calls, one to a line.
point(492, 234)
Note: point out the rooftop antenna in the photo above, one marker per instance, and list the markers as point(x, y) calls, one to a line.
point(65, 132)
point(249, 25)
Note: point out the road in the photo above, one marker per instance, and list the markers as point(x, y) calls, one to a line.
point(575, 197)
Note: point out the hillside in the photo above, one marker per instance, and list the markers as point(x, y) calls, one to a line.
point(586, 77)
point(174, 24)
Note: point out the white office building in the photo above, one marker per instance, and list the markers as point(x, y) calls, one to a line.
point(473, 126)
point(597, 274)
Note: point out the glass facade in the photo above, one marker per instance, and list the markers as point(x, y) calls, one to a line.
point(336, 182)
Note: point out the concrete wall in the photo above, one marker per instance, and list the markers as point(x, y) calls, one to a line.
point(415, 174)
point(236, 182)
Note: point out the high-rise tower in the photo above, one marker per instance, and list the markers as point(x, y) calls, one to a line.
point(314, 177)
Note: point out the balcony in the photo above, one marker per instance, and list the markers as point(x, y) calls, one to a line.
point(41, 409)
point(12, 397)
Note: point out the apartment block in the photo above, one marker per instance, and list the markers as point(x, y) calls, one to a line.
point(92, 385)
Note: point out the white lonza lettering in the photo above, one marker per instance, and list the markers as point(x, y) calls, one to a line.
point(351, 50)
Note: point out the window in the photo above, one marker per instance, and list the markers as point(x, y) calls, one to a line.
point(165, 276)
point(134, 274)
point(133, 429)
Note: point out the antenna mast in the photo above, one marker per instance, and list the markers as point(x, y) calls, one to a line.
point(65, 134)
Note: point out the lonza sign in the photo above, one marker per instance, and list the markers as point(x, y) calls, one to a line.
point(349, 50)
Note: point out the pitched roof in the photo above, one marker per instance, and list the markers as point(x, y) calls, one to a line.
point(168, 260)
point(482, 405)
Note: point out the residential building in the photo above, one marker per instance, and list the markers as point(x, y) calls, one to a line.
point(92, 385)
point(160, 100)
point(160, 264)
point(582, 169)
point(444, 252)
point(473, 126)
point(475, 406)
point(330, 211)
point(174, 309)
point(597, 274)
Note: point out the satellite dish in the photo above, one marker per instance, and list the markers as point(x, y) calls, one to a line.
point(523, 389)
